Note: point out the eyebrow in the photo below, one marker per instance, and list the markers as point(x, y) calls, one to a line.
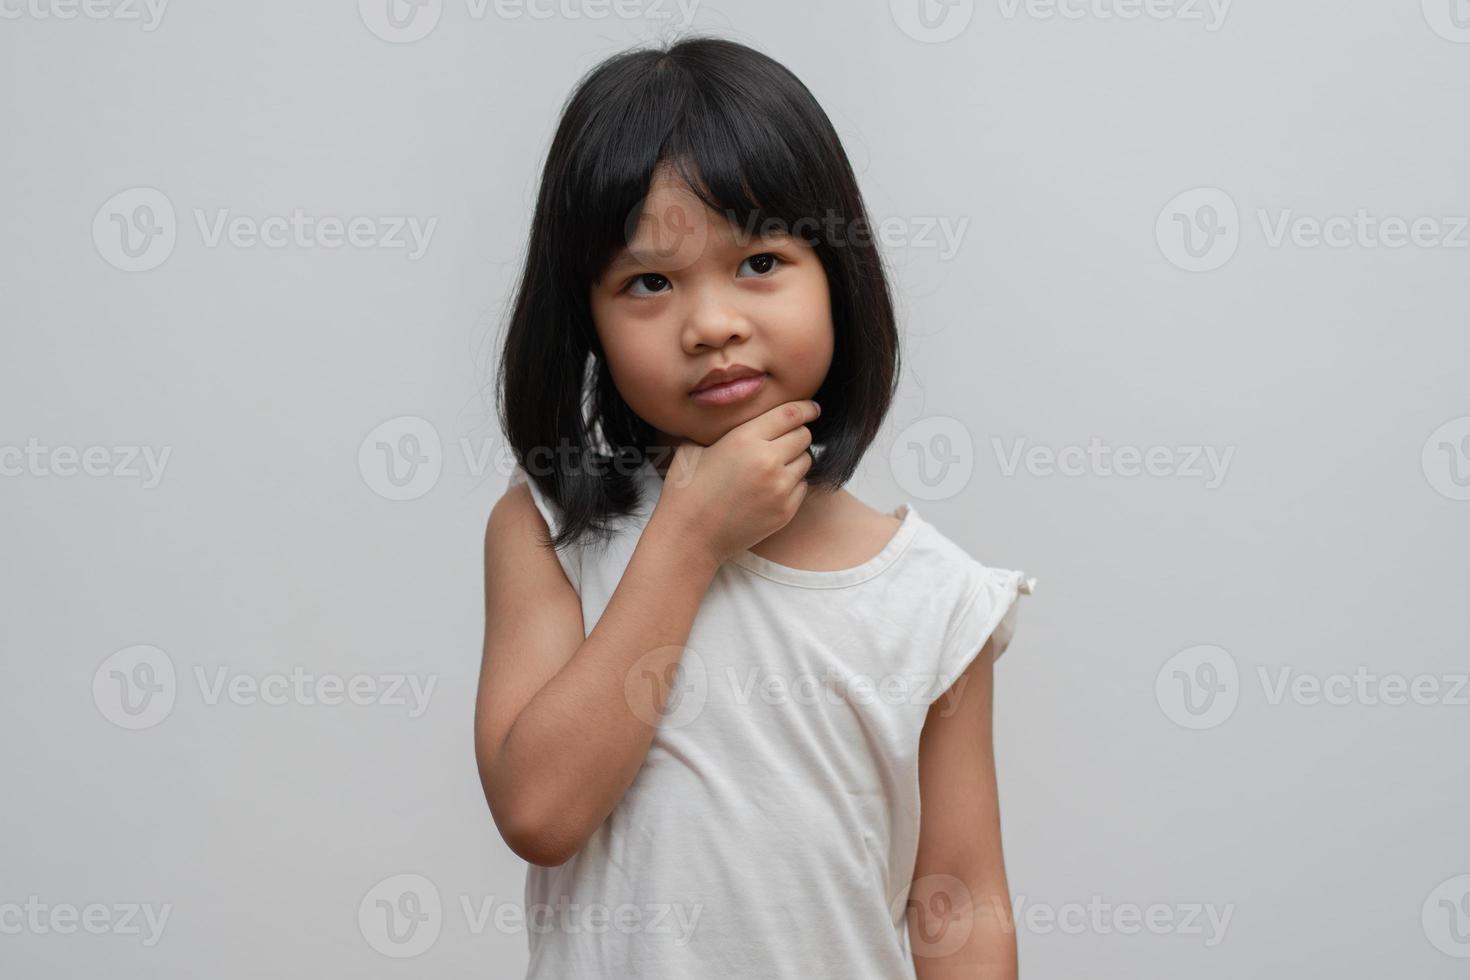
point(623, 259)
point(626, 258)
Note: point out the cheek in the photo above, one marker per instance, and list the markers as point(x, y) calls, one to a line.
point(642, 378)
point(640, 368)
point(802, 334)
point(634, 355)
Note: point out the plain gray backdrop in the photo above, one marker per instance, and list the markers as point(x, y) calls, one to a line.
point(1194, 354)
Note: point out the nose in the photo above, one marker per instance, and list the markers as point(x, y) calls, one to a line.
point(713, 321)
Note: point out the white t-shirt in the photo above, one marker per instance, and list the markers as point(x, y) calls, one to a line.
point(773, 828)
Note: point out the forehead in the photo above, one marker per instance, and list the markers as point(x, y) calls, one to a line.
point(673, 225)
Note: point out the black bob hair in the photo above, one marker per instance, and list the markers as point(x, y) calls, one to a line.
point(749, 139)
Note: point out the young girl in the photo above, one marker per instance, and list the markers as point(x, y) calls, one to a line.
point(716, 686)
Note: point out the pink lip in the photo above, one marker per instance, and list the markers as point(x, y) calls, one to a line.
point(730, 392)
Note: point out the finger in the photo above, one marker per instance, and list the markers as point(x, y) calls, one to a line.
point(783, 418)
point(793, 445)
point(798, 492)
point(798, 468)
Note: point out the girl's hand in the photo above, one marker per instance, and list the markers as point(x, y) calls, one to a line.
point(747, 485)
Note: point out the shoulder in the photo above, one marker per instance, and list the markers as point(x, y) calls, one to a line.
point(530, 521)
point(948, 561)
point(869, 528)
point(959, 578)
point(982, 600)
point(523, 514)
point(513, 518)
point(523, 501)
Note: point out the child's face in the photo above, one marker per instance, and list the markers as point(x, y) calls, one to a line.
point(691, 293)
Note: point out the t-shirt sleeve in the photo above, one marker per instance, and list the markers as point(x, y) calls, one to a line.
point(987, 611)
point(570, 556)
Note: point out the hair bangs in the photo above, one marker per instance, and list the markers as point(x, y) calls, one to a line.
point(744, 153)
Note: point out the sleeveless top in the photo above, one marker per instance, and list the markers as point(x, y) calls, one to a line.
point(773, 828)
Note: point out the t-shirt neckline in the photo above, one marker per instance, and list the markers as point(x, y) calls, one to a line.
point(812, 578)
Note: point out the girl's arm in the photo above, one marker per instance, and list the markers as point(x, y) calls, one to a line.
point(960, 922)
point(560, 732)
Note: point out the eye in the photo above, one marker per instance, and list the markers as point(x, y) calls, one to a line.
point(764, 263)
point(639, 280)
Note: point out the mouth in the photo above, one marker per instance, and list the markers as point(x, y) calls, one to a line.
point(722, 374)
point(729, 392)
